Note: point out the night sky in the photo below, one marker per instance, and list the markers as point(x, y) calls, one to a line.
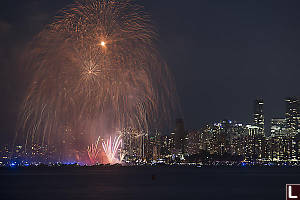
point(223, 54)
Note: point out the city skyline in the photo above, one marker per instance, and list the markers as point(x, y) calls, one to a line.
point(225, 139)
point(255, 55)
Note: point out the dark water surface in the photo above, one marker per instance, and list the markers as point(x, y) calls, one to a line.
point(137, 183)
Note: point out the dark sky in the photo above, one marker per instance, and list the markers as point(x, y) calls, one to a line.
point(223, 54)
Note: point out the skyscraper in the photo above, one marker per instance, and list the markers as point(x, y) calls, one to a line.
point(253, 143)
point(292, 114)
point(278, 127)
point(259, 119)
point(179, 135)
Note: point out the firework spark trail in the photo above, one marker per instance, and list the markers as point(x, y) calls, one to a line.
point(111, 149)
point(97, 61)
point(94, 152)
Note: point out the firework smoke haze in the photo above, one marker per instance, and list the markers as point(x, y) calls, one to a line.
point(96, 64)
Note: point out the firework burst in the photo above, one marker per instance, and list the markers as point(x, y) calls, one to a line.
point(96, 62)
point(94, 151)
point(111, 149)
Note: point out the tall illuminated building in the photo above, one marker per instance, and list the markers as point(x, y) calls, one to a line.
point(253, 143)
point(278, 127)
point(259, 119)
point(292, 114)
point(179, 135)
point(281, 145)
point(135, 144)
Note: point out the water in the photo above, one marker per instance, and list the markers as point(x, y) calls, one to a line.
point(146, 183)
